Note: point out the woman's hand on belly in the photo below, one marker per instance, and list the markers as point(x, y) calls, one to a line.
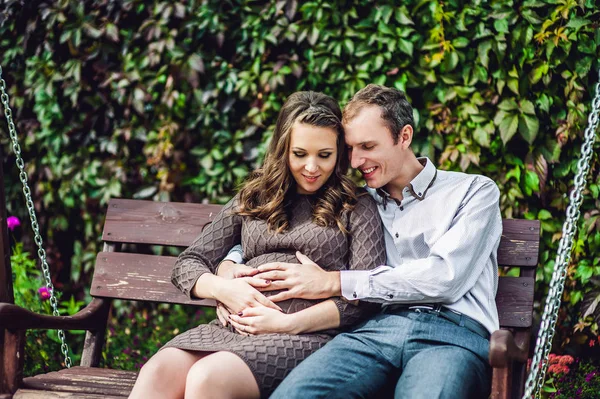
point(262, 320)
point(239, 294)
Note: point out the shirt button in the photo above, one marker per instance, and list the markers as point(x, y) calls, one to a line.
point(401, 208)
point(420, 194)
point(397, 235)
point(390, 296)
point(354, 295)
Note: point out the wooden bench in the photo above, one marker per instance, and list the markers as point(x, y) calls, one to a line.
point(142, 277)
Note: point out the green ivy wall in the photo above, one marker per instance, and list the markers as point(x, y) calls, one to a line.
point(170, 100)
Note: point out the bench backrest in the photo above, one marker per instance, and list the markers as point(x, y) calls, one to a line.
point(144, 277)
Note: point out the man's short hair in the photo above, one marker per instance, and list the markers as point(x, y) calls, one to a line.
point(396, 111)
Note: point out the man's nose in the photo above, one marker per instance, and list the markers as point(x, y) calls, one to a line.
point(355, 159)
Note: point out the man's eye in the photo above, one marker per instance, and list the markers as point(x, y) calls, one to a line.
point(368, 147)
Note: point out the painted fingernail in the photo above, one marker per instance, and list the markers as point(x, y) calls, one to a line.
point(240, 314)
point(267, 281)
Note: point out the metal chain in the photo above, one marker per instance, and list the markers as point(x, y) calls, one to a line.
point(543, 345)
point(30, 207)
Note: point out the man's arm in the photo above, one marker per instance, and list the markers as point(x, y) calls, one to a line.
point(456, 261)
point(454, 265)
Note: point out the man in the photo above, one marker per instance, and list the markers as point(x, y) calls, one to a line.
point(442, 231)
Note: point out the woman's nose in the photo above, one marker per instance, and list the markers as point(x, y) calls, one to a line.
point(311, 167)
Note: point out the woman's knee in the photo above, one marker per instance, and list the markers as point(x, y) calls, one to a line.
point(221, 374)
point(165, 365)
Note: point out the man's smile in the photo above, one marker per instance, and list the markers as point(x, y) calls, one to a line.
point(369, 171)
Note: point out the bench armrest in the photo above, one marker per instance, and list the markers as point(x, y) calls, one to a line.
point(504, 349)
point(13, 317)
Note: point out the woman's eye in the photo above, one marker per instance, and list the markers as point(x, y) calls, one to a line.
point(325, 155)
point(299, 154)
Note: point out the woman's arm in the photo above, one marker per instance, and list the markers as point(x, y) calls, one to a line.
point(208, 249)
point(194, 269)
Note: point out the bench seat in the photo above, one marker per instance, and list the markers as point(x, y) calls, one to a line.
point(78, 382)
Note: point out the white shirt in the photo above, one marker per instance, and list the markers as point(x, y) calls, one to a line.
point(441, 241)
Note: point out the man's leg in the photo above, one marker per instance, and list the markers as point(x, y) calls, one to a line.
point(446, 372)
point(352, 365)
point(443, 360)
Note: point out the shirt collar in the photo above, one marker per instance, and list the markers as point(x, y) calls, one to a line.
point(419, 185)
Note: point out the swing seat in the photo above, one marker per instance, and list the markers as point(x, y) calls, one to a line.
point(132, 276)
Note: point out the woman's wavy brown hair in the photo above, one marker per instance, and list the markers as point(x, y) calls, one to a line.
point(270, 190)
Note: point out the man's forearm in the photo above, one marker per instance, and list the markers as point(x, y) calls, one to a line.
point(332, 286)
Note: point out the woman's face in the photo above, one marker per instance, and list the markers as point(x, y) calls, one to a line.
point(312, 156)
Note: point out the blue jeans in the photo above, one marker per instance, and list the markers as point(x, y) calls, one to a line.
point(416, 354)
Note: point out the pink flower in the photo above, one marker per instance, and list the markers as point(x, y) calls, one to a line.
point(12, 222)
point(558, 369)
point(44, 293)
point(566, 359)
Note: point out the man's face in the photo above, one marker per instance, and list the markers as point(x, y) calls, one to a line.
point(371, 148)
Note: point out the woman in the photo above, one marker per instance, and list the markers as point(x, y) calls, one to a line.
point(300, 200)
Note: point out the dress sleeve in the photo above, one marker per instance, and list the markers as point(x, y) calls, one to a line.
point(366, 252)
point(211, 246)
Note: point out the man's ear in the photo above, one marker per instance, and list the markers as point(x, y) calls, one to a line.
point(405, 136)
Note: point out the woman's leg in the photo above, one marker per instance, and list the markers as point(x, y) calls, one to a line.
point(163, 376)
point(221, 375)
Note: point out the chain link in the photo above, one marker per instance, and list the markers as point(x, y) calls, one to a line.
point(543, 345)
point(32, 216)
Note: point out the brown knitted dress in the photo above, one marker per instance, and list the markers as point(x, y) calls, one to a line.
point(272, 356)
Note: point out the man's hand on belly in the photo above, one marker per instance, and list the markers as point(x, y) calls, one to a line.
point(305, 280)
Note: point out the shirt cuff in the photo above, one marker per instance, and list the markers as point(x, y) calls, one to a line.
point(235, 257)
point(355, 283)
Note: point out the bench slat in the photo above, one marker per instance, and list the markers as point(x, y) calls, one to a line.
point(138, 277)
point(156, 223)
point(78, 381)
point(35, 394)
point(520, 243)
point(148, 278)
point(178, 224)
point(514, 300)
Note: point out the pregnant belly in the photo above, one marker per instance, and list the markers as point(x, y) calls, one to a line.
point(290, 305)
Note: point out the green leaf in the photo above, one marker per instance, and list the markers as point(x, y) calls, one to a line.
point(501, 25)
point(538, 72)
point(528, 127)
point(543, 214)
point(483, 50)
point(527, 107)
point(349, 46)
point(461, 42)
point(577, 23)
point(405, 46)
point(508, 127)
point(513, 85)
point(508, 105)
point(532, 182)
point(403, 17)
point(196, 63)
point(481, 137)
